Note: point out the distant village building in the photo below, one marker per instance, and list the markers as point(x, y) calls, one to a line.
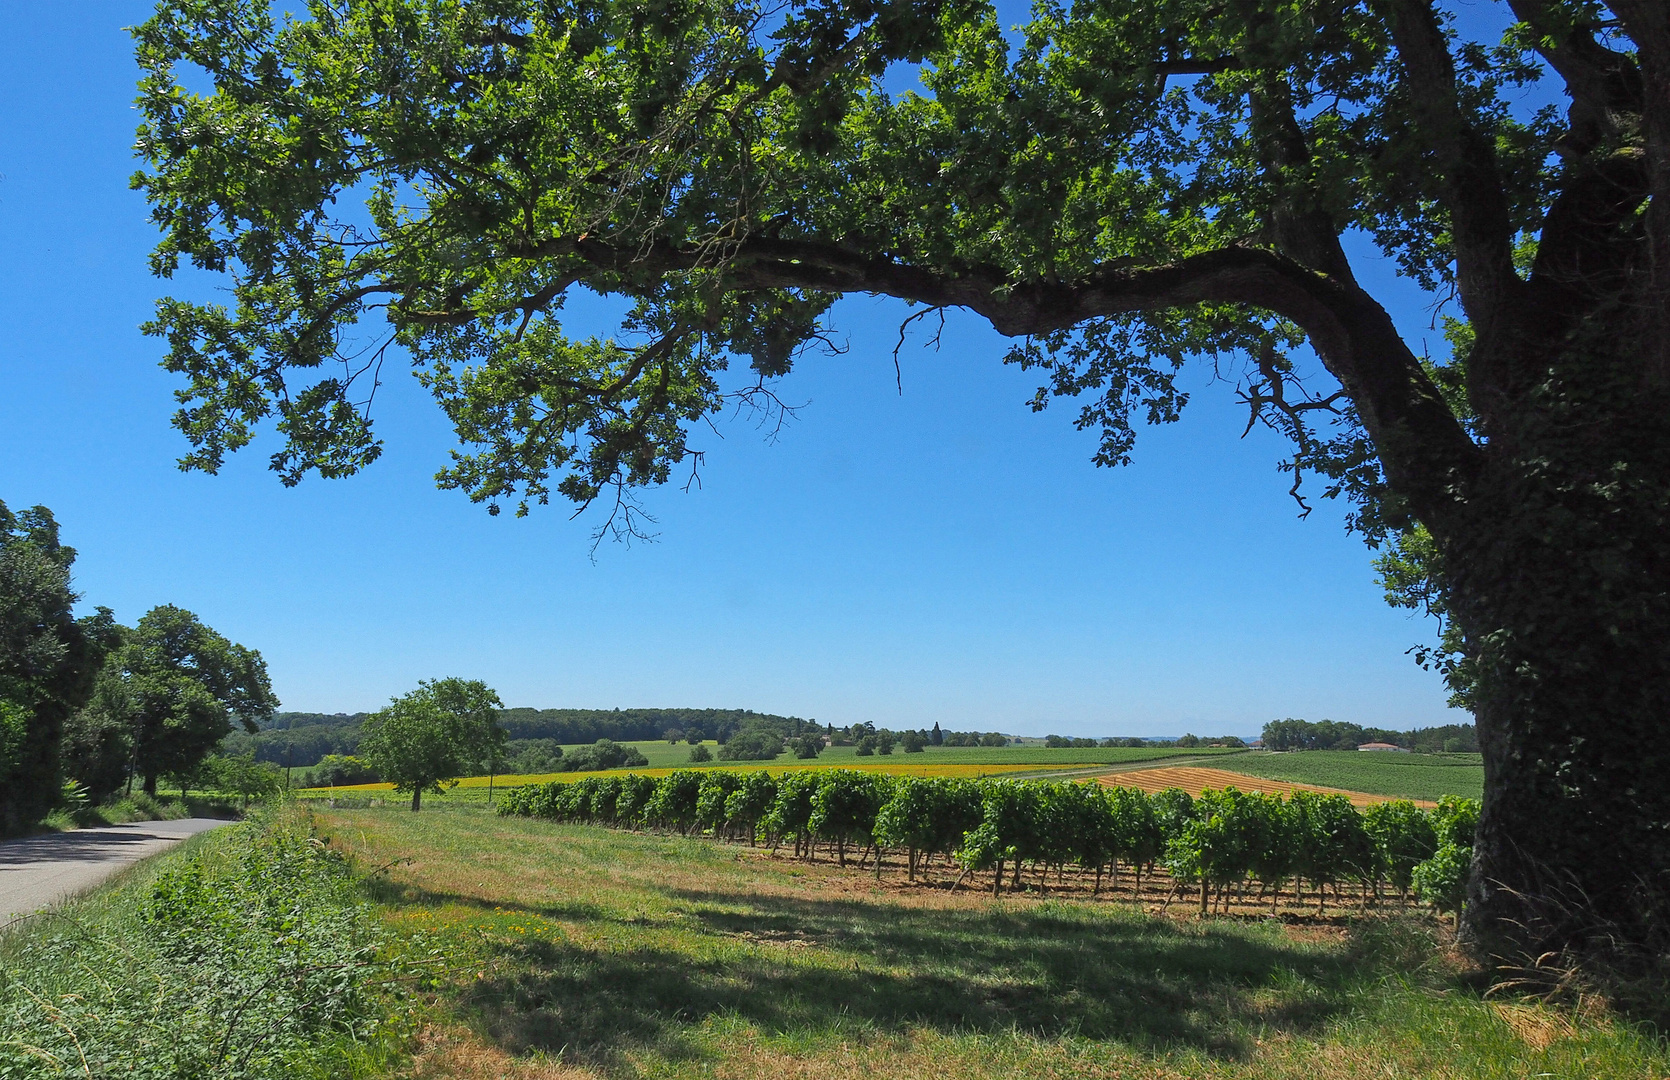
point(1383, 746)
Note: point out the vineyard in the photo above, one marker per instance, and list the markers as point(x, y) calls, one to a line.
point(1214, 847)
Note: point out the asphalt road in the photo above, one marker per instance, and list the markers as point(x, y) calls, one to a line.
point(40, 871)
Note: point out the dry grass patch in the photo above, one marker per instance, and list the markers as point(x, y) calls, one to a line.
point(1197, 780)
point(454, 1052)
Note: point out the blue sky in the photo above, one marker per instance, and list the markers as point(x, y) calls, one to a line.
point(943, 555)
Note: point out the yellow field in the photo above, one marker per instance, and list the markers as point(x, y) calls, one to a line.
point(891, 768)
point(1196, 780)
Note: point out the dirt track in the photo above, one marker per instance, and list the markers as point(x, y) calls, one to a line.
point(1196, 780)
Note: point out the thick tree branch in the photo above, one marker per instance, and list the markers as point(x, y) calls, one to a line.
point(1302, 228)
point(1647, 22)
point(1426, 452)
point(1602, 83)
point(1474, 194)
point(1583, 255)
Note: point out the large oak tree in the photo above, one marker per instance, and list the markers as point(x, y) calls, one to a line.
point(169, 694)
point(1122, 187)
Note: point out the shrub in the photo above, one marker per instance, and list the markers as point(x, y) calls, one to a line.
point(1405, 837)
point(748, 805)
point(845, 806)
point(790, 816)
point(340, 770)
point(674, 804)
point(808, 746)
point(700, 753)
point(1442, 880)
point(713, 798)
point(604, 754)
point(756, 744)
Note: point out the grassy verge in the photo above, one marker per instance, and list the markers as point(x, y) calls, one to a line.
point(586, 951)
point(142, 807)
point(247, 953)
point(1407, 776)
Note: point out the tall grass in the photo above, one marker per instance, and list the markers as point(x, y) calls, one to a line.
point(247, 954)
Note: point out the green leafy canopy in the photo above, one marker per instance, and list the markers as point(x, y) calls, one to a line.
point(1122, 187)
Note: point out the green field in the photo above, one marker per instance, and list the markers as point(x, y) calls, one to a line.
point(586, 952)
point(1409, 776)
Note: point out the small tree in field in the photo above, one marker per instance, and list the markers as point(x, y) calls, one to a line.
point(424, 740)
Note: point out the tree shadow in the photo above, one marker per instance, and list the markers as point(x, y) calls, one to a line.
point(802, 965)
point(385, 890)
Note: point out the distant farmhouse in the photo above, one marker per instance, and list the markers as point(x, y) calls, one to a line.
point(1383, 746)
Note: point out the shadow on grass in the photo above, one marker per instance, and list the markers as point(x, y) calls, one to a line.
point(384, 890)
point(801, 966)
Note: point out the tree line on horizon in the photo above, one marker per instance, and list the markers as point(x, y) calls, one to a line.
point(1291, 734)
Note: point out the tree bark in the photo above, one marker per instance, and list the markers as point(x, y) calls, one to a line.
point(1562, 587)
point(417, 799)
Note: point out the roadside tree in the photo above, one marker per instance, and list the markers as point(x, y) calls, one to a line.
point(174, 689)
point(49, 660)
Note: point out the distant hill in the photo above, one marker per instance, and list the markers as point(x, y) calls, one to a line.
point(300, 739)
point(623, 725)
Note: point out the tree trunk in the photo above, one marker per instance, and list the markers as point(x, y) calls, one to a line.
point(151, 784)
point(1562, 590)
point(417, 799)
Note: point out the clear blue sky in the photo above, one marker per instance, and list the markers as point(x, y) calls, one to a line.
point(944, 555)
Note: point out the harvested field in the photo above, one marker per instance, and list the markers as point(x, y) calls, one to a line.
point(1195, 780)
